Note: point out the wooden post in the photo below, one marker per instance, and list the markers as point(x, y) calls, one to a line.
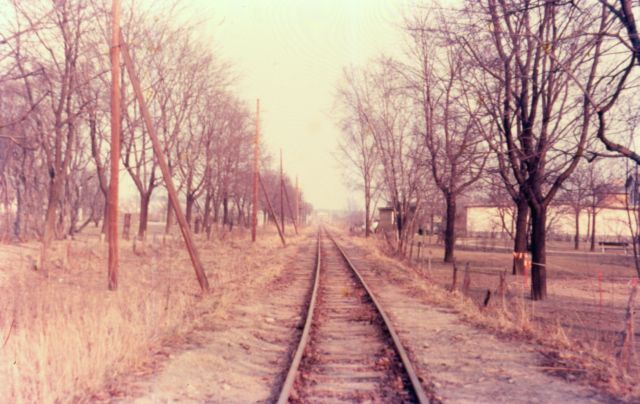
point(281, 193)
point(502, 289)
point(455, 277)
point(273, 213)
point(173, 195)
point(466, 282)
point(112, 228)
point(627, 353)
point(295, 225)
point(487, 297)
point(256, 174)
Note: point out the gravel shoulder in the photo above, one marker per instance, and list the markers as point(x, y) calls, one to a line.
point(460, 362)
point(238, 353)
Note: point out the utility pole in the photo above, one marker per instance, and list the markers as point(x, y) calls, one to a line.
point(256, 156)
point(295, 225)
point(281, 193)
point(272, 212)
point(164, 168)
point(297, 219)
point(112, 203)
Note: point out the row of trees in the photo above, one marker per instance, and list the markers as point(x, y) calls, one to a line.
point(499, 99)
point(55, 119)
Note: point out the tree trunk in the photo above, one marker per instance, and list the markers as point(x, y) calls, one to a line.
point(144, 214)
point(189, 208)
point(432, 225)
point(206, 217)
point(450, 231)
point(593, 231)
point(576, 239)
point(225, 210)
point(216, 210)
point(588, 237)
point(520, 236)
point(538, 253)
point(240, 211)
point(105, 220)
point(17, 224)
point(367, 212)
point(55, 188)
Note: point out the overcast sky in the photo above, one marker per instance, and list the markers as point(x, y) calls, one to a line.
point(290, 54)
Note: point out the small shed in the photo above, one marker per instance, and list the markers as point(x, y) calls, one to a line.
point(387, 219)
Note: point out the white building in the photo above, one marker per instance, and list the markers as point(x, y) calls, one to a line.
point(612, 221)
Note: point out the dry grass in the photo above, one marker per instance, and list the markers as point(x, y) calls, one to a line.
point(564, 333)
point(64, 336)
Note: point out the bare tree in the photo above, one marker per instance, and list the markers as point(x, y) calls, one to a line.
point(541, 61)
point(386, 107)
point(358, 145)
point(456, 154)
point(574, 194)
point(53, 50)
point(170, 95)
point(620, 76)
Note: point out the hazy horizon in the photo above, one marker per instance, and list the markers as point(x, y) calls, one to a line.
point(291, 55)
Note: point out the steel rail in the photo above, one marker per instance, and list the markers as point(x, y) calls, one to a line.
point(421, 395)
point(285, 392)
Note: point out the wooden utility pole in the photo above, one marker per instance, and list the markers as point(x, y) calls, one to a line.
point(166, 174)
point(297, 219)
point(256, 156)
point(112, 203)
point(281, 193)
point(273, 213)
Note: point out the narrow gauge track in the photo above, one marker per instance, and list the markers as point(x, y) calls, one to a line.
point(348, 350)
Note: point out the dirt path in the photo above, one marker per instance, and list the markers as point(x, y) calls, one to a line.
point(463, 363)
point(240, 355)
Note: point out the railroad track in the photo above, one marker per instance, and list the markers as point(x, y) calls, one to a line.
point(348, 350)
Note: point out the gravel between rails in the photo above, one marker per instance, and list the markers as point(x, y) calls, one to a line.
point(350, 356)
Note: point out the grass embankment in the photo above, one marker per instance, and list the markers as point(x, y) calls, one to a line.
point(63, 336)
point(577, 332)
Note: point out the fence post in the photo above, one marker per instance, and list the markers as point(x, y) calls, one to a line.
point(455, 277)
point(466, 282)
point(627, 354)
point(502, 289)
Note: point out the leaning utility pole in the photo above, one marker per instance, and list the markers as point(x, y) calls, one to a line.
point(281, 193)
point(164, 168)
point(112, 203)
point(256, 156)
point(271, 211)
point(295, 225)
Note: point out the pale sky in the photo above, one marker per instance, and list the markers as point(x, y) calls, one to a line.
point(290, 54)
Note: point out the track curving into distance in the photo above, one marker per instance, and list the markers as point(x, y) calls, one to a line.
point(348, 350)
